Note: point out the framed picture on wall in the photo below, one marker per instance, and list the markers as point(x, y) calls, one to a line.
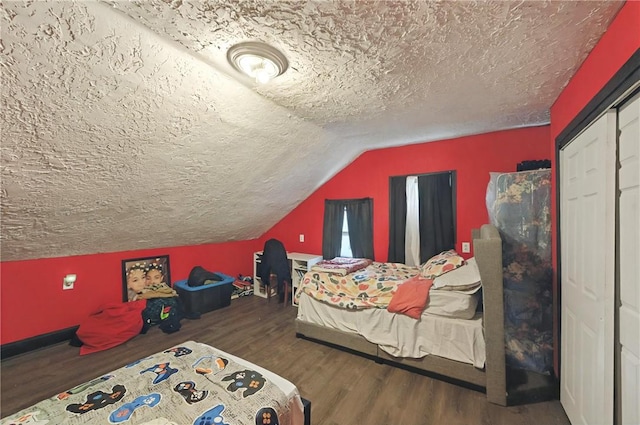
point(140, 274)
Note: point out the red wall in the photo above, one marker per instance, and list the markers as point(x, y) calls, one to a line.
point(473, 157)
point(33, 303)
point(616, 46)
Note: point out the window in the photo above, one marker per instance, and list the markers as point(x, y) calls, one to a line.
point(436, 216)
point(351, 221)
point(345, 247)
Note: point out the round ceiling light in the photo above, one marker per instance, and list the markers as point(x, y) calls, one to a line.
point(257, 60)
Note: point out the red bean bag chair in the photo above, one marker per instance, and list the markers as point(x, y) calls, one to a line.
point(113, 325)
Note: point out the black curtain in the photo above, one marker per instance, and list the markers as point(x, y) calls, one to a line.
point(437, 215)
point(437, 226)
point(332, 228)
point(397, 218)
point(360, 223)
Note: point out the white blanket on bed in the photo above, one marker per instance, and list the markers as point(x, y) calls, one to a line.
point(402, 336)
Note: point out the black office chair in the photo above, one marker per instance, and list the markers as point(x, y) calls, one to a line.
point(275, 270)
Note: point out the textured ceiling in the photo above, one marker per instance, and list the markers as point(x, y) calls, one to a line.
point(123, 126)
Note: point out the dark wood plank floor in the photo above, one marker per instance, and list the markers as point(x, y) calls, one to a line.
point(344, 388)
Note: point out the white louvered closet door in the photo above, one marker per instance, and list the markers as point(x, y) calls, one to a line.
point(629, 256)
point(587, 226)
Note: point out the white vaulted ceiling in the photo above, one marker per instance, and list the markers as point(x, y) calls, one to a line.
point(123, 127)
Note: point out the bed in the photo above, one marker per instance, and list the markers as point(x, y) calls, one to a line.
point(191, 383)
point(470, 350)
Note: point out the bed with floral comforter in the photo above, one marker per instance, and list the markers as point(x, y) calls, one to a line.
point(371, 287)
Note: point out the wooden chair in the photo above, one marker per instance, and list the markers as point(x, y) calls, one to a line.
point(275, 268)
point(273, 284)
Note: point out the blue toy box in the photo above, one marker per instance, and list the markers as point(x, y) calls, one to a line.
point(205, 298)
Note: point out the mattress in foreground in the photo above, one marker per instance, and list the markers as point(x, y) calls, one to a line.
point(191, 383)
point(402, 336)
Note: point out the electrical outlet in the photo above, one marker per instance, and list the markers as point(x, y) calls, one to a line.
point(301, 237)
point(466, 247)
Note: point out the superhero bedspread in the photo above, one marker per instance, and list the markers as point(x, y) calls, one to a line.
point(192, 383)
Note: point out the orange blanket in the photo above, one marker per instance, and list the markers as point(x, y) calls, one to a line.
point(411, 297)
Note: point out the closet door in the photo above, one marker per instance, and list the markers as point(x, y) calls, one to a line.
point(629, 254)
point(587, 226)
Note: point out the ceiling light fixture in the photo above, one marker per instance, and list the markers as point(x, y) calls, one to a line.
point(257, 60)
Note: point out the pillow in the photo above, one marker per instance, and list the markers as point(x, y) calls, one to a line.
point(411, 297)
point(463, 278)
point(440, 264)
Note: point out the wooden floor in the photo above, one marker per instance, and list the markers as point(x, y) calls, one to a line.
point(344, 388)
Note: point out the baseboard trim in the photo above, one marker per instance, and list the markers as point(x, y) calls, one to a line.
point(19, 347)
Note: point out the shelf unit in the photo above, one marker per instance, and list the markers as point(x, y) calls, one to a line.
point(299, 264)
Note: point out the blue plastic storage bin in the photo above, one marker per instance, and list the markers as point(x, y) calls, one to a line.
point(205, 298)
